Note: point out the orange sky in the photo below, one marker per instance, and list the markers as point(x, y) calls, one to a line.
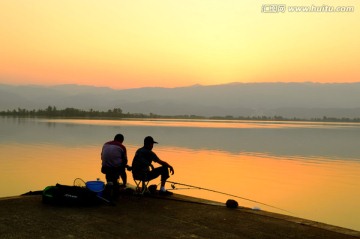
point(137, 43)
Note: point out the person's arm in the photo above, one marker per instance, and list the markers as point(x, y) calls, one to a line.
point(156, 159)
point(123, 154)
point(163, 163)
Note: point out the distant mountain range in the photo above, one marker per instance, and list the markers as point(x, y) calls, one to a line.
point(300, 100)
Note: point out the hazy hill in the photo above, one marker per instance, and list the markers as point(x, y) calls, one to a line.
point(302, 100)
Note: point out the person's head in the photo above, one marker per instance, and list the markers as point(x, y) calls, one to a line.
point(119, 138)
point(149, 142)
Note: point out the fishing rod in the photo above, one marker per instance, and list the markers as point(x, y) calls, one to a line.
point(227, 194)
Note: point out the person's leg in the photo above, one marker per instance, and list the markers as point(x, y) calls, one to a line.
point(164, 176)
point(164, 172)
point(112, 176)
point(109, 178)
point(112, 179)
point(159, 171)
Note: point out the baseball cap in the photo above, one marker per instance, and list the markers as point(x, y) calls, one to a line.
point(149, 140)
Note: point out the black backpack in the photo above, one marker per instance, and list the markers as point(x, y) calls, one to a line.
point(64, 195)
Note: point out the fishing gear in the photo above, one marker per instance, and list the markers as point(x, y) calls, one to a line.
point(174, 188)
point(81, 183)
point(227, 194)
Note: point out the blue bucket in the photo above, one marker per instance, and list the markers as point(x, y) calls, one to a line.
point(96, 186)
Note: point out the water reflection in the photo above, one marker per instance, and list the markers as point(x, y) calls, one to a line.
point(333, 141)
point(310, 170)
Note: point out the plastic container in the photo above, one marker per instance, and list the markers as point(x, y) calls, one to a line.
point(96, 186)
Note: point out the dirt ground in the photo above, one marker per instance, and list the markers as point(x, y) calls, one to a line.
point(153, 217)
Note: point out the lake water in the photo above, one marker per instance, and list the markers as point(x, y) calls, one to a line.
point(311, 170)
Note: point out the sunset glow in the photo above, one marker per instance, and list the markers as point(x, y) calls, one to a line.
point(127, 44)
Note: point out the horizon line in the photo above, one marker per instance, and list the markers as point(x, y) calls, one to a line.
point(187, 86)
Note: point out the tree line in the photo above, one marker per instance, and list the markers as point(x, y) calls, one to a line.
point(53, 112)
point(117, 113)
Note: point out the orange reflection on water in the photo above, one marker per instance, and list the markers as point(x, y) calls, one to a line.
point(201, 123)
point(326, 192)
point(296, 185)
point(33, 167)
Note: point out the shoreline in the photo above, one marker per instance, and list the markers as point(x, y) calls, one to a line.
point(329, 120)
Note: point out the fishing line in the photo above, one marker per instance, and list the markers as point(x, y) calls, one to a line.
point(173, 188)
point(227, 194)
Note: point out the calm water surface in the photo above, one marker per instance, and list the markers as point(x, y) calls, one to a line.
point(309, 169)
